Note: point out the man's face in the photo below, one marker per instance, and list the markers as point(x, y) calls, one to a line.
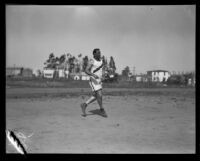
point(97, 55)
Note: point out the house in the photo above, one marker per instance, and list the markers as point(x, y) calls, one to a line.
point(67, 74)
point(13, 71)
point(158, 75)
point(61, 73)
point(79, 76)
point(141, 78)
point(75, 76)
point(84, 76)
point(27, 72)
point(35, 72)
point(48, 73)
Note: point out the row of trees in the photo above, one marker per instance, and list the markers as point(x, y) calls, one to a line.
point(75, 64)
point(182, 78)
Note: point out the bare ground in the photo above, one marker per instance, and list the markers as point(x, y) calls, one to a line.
point(139, 120)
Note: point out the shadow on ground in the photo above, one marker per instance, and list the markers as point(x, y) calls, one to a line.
point(95, 112)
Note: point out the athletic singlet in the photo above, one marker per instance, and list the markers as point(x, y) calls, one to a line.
point(97, 67)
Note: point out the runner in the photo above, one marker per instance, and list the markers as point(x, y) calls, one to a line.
point(95, 71)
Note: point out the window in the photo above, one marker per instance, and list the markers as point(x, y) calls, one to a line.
point(48, 74)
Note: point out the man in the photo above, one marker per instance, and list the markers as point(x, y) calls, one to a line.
point(95, 71)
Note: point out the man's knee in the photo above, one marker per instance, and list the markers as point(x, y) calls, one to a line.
point(94, 94)
point(99, 93)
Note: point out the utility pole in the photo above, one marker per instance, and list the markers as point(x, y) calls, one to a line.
point(134, 71)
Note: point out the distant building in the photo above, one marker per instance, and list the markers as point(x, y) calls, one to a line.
point(61, 73)
point(75, 76)
point(190, 81)
point(13, 71)
point(35, 73)
point(158, 75)
point(27, 72)
point(79, 76)
point(67, 74)
point(48, 73)
point(84, 76)
point(141, 78)
point(194, 81)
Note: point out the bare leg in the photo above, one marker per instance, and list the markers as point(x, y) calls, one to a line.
point(90, 100)
point(84, 105)
point(99, 98)
point(100, 102)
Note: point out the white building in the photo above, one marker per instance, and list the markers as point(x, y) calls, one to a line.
point(80, 76)
point(67, 74)
point(158, 75)
point(13, 71)
point(84, 76)
point(35, 72)
point(48, 73)
point(140, 78)
point(61, 73)
point(76, 77)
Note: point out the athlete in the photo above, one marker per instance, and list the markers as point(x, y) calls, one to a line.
point(96, 72)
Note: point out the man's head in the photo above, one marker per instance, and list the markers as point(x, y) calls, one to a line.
point(97, 54)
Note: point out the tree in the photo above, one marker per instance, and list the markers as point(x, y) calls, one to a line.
point(51, 62)
point(126, 72)
point(80, 55)
point(66, 64)
point(76, 65)
point(106, 62)
point(39, 73)
point(62, 59)
point(85, 62)
point(112, 64)
point(80, 65)
point(56, 61)
point(103, 59)
point(71, 64)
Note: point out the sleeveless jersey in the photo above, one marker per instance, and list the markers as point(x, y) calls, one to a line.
point(97, 67)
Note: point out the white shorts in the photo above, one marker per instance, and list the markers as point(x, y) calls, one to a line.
point(95, 84)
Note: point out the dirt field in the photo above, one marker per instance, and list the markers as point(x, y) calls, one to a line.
point(139, 120)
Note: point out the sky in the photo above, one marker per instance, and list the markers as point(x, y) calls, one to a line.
point(145, 37)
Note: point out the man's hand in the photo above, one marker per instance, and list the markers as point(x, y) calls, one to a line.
point(95, 76)
point(103, 79)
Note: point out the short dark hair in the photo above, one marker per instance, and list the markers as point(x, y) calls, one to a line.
point(95, 50)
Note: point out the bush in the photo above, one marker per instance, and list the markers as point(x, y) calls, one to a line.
point(177, 80)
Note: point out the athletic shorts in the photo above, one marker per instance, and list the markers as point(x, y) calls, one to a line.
point(95, 84)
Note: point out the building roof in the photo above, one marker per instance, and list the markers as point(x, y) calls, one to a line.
point(157, 71)
point(140, 75)
point(27, 69)
point(14, 68)
point(45, 68)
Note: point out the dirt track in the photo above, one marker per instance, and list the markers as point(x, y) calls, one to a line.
point(139, 120)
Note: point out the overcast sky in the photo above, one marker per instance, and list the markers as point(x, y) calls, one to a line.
point(147, 37)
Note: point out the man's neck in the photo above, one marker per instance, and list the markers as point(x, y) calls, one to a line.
point(97, 59)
